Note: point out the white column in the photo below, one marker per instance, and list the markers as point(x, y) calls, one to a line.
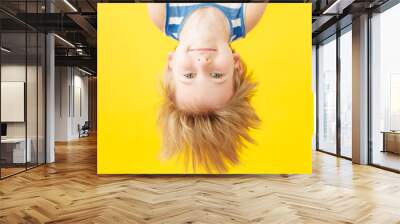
point(50, 98)
point(360, 90)
point(50, 92)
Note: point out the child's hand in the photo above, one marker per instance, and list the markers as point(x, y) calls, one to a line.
point(157, 14)
point(254, 12)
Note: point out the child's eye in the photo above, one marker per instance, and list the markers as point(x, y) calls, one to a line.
point(189, 75)
point(216, 75)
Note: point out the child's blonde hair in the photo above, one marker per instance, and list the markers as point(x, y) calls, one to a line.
point(211, 140)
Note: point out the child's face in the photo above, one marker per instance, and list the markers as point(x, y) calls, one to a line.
point(203, 75)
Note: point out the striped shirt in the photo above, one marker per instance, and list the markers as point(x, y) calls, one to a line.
point(176, 13)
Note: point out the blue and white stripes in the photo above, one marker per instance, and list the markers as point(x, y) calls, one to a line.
point(177, 12)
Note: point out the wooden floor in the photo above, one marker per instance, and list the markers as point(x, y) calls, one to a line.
point(9, 171)
point(69, 191)
point(5, 172)
point(387, 159)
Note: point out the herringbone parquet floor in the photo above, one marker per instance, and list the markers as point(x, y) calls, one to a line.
point(69, 191)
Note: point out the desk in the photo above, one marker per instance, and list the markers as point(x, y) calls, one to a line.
point(391, 141)
point(16, 151)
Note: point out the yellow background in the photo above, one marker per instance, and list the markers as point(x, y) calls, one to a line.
point(132, 54)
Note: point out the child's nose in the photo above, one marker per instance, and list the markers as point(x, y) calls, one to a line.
point(203, 59)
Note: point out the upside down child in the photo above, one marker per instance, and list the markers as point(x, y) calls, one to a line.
point(206, 114)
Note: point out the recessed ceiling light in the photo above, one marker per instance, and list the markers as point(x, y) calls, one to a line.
point(337, 7)
point(84, 71)
point(64, 40)
point(5, 50)
point(70, 5)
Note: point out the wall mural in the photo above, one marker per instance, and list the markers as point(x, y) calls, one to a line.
point(204, 88)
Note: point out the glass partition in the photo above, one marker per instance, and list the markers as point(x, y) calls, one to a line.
point(14, 145)
point(41, 107)
point(346, 93)
point(32, 85)
point(327, 95)
point(385, 89)
point(32, 96)
point(22, 90)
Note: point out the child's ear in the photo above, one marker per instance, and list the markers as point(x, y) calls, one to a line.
point(238, 63)
point(170, 57)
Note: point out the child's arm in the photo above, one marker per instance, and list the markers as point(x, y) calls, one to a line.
point(254, 12)
point(157, 14)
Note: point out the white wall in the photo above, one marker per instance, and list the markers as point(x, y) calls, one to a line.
point(12, 73)
point(80, 83)
point(62, 82)
point(70, 83)
point(12, 101)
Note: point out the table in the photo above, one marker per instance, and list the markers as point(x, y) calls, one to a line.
point(391, 141)
point(16, 147)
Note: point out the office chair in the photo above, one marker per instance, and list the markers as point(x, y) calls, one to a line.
point(84, 130)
